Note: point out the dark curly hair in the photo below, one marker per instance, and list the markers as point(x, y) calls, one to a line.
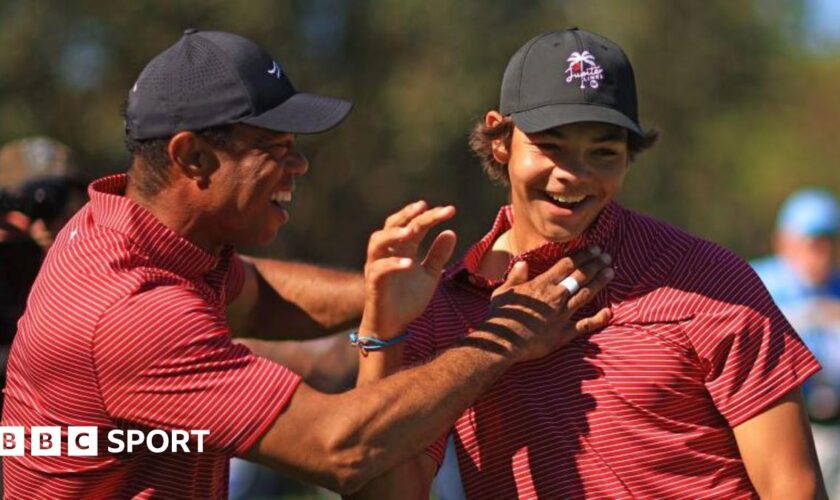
point(482, 137)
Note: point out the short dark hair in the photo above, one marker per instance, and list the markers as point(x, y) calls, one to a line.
point(482, 137)
point(151, 174)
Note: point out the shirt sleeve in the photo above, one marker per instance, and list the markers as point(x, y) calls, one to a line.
point(165, 360)
point(749, 353)
point(420, 348)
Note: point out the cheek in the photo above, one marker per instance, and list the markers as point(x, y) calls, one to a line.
point(525, 174)
point(612, 179)
point(255, 183)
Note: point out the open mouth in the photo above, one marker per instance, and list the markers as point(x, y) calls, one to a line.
point(565, 201)
point(281, 198)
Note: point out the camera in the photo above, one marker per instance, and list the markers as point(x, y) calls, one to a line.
point(43, 198)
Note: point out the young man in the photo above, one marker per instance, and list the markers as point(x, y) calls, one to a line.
point(126, 327)
point(692, 390)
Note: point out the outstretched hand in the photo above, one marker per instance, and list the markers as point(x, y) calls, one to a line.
point(398, 282)
point(531, 318)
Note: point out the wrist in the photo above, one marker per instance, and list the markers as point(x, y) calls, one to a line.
point(495, 344)
point(385, 332)
point(368, 344)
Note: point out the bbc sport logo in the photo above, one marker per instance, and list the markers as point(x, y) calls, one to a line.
point(83, 441)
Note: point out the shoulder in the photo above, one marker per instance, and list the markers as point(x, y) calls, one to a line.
point(642, 230)
point(834, 283)
point(695, 259)
point(688, 274)
point(155, 309)
point(158, 317)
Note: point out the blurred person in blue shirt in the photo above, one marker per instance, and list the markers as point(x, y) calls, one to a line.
point(804, 280)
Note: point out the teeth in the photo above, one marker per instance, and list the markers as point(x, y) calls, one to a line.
point(282, 196)
point(566, 199)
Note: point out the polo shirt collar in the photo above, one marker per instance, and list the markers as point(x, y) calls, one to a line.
point(603, 232)
point(163, 246)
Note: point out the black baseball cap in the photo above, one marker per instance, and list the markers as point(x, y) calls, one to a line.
point(569, 76)
point(212, 78)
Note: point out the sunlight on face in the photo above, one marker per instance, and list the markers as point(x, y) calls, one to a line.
point(561, 179)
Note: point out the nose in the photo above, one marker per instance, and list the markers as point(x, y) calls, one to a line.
point(569, 165)
point(295, 163)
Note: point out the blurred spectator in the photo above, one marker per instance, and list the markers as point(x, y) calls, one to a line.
point(40, 189)
point(41, 182)
point(804, 281)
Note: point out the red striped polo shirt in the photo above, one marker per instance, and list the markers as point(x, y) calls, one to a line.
point(125, 329)
point(643, 408)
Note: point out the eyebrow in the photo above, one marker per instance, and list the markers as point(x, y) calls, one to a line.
point(616, 134)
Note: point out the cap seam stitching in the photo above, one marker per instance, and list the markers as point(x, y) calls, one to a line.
point(226, 62)
point(525, 58)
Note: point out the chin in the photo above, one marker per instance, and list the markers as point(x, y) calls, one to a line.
point(265, 240)
point(561, 235)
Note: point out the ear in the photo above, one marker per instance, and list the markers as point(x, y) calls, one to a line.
point(501, 150)
point(192, 157)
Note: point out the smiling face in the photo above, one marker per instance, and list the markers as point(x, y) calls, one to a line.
point(561, 179)
point(812, 257)
point(252, 187)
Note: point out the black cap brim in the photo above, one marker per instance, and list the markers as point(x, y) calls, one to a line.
point(555, 115)
point(303, 114)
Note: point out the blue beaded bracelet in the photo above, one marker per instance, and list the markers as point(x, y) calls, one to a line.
point(366, 344)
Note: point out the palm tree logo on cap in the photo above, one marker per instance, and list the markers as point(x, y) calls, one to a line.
point(582, 66)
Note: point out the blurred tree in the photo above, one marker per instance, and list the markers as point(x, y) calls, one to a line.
point(747, 113)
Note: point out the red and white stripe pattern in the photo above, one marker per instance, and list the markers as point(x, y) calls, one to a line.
point(125, 329)
point(642, 409)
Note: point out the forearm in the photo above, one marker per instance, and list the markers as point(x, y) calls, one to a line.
point(394, 420)
point(328, 365)
point(303, 301)
point(376, 365)
point(778, 451)
point(409, 480)
point(412, 478)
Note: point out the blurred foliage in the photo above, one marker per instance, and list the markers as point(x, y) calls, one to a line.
point(747, 113)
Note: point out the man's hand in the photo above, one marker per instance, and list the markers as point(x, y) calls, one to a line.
point(398, 284)
point(531, 319)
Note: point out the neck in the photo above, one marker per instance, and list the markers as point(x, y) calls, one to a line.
point(522, 239)
point(496, 260)
point(176, 210)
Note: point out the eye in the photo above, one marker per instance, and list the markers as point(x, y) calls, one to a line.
point(548, 146)
point(606, 152)
point(276, 151)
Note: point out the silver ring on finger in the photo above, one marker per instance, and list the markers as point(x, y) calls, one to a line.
point(570, 284)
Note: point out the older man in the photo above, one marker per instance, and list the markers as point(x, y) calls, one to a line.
point(126, 327)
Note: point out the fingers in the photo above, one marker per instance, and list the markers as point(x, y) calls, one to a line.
point(404, 231)
point(407, 213)
point(588, 291)
point(439, 252)
point(584, 275)
point(593, 323)
point(517, 275)
point(565, 266)
point(385, 242)
point(424, 221)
